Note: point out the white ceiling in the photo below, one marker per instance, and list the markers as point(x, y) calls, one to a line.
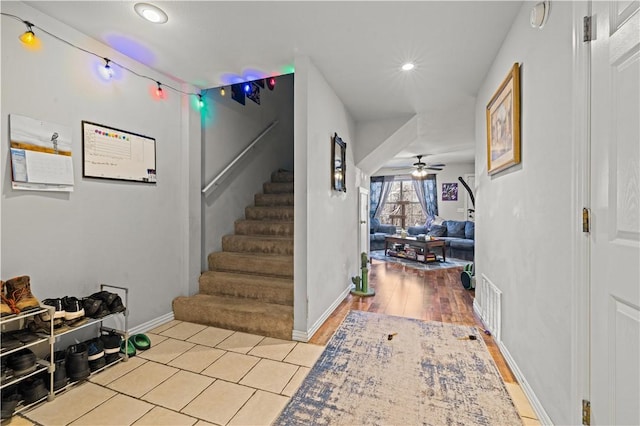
point(358, 46)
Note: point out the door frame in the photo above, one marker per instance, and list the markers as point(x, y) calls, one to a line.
point(581, 198)
point(363, 191)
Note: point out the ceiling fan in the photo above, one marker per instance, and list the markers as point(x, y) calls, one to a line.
point(420, 169)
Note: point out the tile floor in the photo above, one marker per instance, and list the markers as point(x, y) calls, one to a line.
point(196, 375)
point(192, 375)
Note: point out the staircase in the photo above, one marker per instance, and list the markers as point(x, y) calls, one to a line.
point(249, 284)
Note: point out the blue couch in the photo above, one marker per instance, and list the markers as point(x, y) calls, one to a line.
point(377, 233)
point(459, 237)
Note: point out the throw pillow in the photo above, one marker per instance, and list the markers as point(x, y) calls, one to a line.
point(455, 228)
point(438, 220)
point(470, 230)
point(438, 231)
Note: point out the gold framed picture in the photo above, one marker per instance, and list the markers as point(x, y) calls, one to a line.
point(503, 124)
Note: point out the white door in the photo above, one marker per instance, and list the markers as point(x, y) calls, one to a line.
point(363, 219)
point(471, 181)
point(615, 206)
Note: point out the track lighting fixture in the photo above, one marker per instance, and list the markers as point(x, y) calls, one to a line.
point(28, 37)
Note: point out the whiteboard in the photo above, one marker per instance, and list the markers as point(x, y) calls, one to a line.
point(110, 153)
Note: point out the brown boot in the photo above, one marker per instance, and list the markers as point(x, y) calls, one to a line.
point(7, 307)
point(19, 290)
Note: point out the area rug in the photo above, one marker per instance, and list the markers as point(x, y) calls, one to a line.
point(429, 373)
point(449, 263)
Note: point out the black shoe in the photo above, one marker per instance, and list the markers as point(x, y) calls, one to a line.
point(116, 306)
point(8, 342)
point(105, 296)
point(9, 402)
point(60, 379)
point(25, 336)
point(57, 304)
point(73, 308)
point(111, 343)
point(77, 362)
point(22, 362)
point(32, 389)
point(95, 349)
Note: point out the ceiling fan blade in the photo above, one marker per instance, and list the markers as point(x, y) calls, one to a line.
point(434, 168)
point(436, 165)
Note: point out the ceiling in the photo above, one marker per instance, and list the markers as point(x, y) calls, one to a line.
point(358, 46)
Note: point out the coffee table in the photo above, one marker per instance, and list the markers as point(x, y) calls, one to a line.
point(427, 246)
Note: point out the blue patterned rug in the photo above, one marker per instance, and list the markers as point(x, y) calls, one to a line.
point(450, 263)
point(429, 373)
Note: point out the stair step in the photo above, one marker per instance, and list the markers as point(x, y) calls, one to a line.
point(285, 199)
point(266, 289)
point(258, 244)
point(251, 316)
point(282, 176)
point(262, 264)
point(269, 213)
point(277, 187)
point(263, 227)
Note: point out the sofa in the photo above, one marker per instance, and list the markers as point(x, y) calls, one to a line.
point(459, 236)
point(377, 232)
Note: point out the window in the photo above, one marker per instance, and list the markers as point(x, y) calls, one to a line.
point(402, 207)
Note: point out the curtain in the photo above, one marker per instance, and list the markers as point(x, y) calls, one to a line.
point(427, 195)
point(378, 193)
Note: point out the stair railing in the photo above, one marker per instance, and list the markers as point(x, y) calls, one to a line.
point(220, 176)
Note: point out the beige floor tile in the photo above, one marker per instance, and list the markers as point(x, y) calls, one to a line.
point(203, 423)
point(520, 401)
point(530, 422)
point(17, 420)
point(231, 366)
point(165, 326)
point(162, 417)
point(155, 338)
point(71, 404)
point(166, 351)
point(219, 402)
point(261, 409)
point(119, 410)
point(271, 348)
point(304, 354)
point(142, 379)
point(178, 390)
point(183, 330)
point(240, 342)
point(210, 336)
point(197, 358)
point(269, 375)
point(112, 373)
point(295, 381)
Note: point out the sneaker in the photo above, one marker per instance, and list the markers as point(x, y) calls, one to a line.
point(19, 292)
point(94, 308)
point(57, 304)
point(77, 362)
point(73, 308)
point(33, 389)
point(116, 306)
point(95, 351)
point(37, 325)
point(111, 343)
point(105, 296)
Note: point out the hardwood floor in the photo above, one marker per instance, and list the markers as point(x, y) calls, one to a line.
point(434, 295)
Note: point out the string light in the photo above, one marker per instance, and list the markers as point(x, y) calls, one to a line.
point(29, 38)
point(200, 101)
point(222, 92)
point(271, 83)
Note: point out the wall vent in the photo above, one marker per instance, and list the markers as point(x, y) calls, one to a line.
point(491, 307)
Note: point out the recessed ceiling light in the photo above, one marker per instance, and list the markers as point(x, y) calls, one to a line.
point(151, 13)
point(408, 66)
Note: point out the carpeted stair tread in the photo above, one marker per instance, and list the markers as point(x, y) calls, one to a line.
point(277, 187)
point(286, 199)
point(269, 213)
point(263, 264)
point(258, 244)
point(282, 176)
point(247, 315)
point(266, 289)
point(264, 227)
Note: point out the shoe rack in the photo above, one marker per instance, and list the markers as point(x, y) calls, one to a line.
point(53, 338)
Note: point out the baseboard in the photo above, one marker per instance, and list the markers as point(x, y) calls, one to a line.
point(149, 325)
point(543, 417)
point(305, 336)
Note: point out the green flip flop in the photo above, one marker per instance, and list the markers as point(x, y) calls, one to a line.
point(140, 341)
point(130, 349)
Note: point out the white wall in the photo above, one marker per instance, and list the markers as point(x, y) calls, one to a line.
point(453, 210)
point(370, 134)
point(128, 234)
point(229, 128)
point(326, 222)
point(524, 216)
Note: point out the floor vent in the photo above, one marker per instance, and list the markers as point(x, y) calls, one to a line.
point(491, 307)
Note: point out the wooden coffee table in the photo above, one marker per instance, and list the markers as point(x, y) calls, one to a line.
point(427, 246)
